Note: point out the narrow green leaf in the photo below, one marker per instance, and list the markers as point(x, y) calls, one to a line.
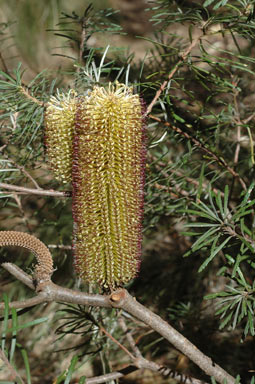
point(71, 369)
point(200, 225)
point(234, 323)
point(197, 213)
point(215, 295)
point(201, 179)
point(28, 324)
point(226, 195)
point(214, 252)
point(226, 320)
point(202, 239)
point(203, 207)
point(219, 204)
point(26, 363)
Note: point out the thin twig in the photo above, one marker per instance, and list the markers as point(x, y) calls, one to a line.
point(42, 192)
point(198, 143)
point(30, 97)
point(60, 246)
point(129, 337)
point(125, 371)
point(171, 74)
point(151, 365)
point(102, 329)
point(111, 376)
point(27, 174)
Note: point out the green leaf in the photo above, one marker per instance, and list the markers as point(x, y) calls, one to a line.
point(200, 225)
point(28, 324)
point(205, 239)
point(197, 213)
point(226, 320)
point(226, 195)
point(71, 369)
point(208, 2)
point(214, 252)
point(26, 363)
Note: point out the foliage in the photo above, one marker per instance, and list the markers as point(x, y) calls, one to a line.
point(200, 192)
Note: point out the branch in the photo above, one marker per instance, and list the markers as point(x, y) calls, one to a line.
point(27, 94)
point(20, 275)
point(42, 192)
point(120, 299)
point(123, 300)
point(111, 376)
point(171, 74)
point(125, 371)
point(141, 362)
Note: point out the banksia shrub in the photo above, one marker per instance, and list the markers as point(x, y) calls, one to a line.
point(59, 128)
point(108, 178)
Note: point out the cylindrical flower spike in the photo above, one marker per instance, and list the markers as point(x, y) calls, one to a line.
point(59, 129)
point(108, 182)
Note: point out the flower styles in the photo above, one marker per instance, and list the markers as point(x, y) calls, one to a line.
point(59, 130)
point(108, 161)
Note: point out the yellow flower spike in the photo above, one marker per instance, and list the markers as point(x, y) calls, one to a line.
point(59, 129)
point(108, 181)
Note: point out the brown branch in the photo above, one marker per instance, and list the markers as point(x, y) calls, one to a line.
point(41, 298)
point(102, 329)
point(184, 56)
point(121, 299)
point(127, 370)
point(20, 275)
point(129, 337)
point(141, 362)
point(30, 97)
point(111, 376)
point(198, 143)
point(41, 192)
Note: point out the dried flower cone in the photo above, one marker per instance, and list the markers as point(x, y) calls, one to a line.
point(59, 128)
point(108, 181)
point(44, 268)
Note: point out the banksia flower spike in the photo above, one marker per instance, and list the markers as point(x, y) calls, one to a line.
point(108, 181)
point(59, 128)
